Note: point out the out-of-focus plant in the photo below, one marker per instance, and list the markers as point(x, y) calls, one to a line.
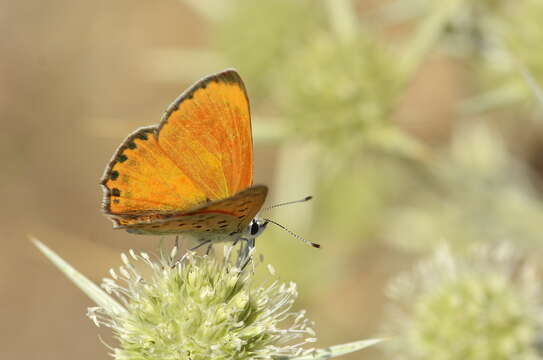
point(348, 101)
point(330, 79)
point(257, 37)
point(478, 191)
point(497, 38)
point(356, 200)
point(519, 35)
point(485, 306)
point(522, 35)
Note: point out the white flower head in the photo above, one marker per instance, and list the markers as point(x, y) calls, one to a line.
point(201, 308)
point(483, 306)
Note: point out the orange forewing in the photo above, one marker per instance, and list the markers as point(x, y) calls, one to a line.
point(207, 133)
point(141, 178)
point(199, 153)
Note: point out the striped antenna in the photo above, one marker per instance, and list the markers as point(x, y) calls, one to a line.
point(315, 245)
point(307, 198)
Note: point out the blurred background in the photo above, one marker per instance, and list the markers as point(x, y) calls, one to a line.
point(416, 125)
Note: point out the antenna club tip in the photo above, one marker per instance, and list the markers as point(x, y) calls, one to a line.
point(308, 198)
point(315, 245)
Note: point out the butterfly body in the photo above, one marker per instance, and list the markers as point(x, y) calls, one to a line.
point(192, 173)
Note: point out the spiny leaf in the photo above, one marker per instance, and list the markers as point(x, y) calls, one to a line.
point(336, 350)
point(99, 296)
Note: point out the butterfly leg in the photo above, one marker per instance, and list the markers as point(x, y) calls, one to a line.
point(209, 247)
point(246, 247)
point(176, 245)
point(177, 241)
point(245, 251)
point(200, 245)
point(191, 249)
point(175, 251)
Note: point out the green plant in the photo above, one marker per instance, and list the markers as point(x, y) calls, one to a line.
point(199, 307)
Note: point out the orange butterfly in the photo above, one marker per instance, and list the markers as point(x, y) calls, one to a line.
point(191, 174)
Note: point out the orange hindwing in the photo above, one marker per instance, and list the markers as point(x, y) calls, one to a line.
point(221, 217)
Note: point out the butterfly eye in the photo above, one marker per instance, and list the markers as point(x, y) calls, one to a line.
point(254, 227)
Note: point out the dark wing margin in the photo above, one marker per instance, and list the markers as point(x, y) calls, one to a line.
point(118, 156)
point(227, 76)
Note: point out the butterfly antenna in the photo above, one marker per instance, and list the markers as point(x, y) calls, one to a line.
point(315, 245)
point(307, 198)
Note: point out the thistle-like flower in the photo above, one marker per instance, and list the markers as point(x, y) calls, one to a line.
point(486, 306)
point(482, 194)
point(201, 308)
point(348, 101)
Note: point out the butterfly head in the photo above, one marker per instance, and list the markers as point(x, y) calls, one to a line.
point(255, 228)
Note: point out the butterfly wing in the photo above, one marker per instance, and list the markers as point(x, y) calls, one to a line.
point(200, 152)
point(207, 133)
point(141, 178)
point(214, 219)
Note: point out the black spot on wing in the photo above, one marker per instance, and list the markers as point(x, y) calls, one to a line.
point(227, 76)
point(119, 157)
point(142, 136)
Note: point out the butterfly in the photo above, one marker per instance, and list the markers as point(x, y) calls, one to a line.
point(192, 173)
